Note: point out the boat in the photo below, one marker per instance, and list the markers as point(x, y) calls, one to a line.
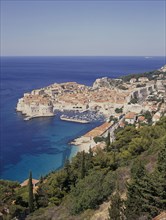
point(27, 118)
point(74, 120)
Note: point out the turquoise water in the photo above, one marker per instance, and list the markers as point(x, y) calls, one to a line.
point(41, 145)
point(46, 150)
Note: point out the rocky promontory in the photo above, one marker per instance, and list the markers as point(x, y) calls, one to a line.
point(106, 96)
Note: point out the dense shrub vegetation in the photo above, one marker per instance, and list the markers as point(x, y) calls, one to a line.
point(89, 179)
point(150, 75)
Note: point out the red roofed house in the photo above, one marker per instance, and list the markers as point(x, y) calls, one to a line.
point(130, 117)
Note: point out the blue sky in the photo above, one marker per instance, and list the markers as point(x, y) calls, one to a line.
point(71, 28)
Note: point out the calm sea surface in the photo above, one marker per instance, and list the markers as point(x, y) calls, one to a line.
point(41, 144)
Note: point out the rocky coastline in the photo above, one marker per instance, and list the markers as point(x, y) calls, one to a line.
point(106, 97)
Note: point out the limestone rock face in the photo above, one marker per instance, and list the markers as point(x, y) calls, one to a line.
point(160, 85)
point(33, 106)
point(102, 82)
point(106, 82)
point(163, 69)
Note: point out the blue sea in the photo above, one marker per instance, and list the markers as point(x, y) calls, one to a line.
point(41, 144)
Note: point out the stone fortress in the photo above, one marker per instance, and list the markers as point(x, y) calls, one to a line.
point(106, 96)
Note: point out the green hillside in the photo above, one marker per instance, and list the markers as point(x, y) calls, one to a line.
point(134, 166)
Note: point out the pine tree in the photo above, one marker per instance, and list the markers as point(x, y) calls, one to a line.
point(41, 197)
point(147, 192)
point(83, 165)
point(158, 184)
point(161, 162)
point(135, 195)
point(90, 152)
point(108, 142)
point(41, 179)
point(114, 163)
point(116, 210)
point(30, 189)
point(67, 169)
point(89, 160)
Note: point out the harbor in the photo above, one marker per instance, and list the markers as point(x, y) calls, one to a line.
point(74, 120)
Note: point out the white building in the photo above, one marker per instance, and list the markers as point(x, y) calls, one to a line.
point(130, 117)
point(133, 80)
point(143, 79)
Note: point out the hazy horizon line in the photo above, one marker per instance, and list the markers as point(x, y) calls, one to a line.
point(148, 56)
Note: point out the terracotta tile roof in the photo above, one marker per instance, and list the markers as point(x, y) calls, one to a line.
point(130, 115)
point(98, 131)
point(121, 124)
point(25, 183)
